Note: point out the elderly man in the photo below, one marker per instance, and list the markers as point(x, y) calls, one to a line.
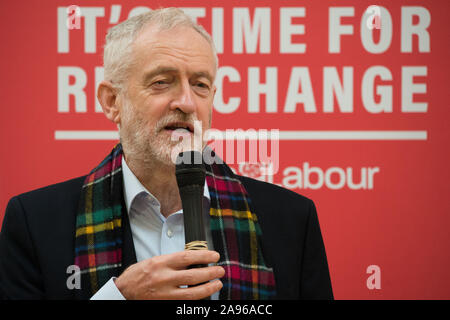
point(118, 232)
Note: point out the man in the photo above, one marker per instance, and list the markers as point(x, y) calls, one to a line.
point(120, 228)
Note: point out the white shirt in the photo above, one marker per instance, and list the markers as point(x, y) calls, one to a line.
point(153, 234)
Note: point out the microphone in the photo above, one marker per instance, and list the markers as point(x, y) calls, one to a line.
point(190, 173)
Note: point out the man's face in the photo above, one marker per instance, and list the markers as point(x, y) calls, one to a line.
point(170, 85)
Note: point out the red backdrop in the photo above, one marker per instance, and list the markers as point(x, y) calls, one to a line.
point(362, 114)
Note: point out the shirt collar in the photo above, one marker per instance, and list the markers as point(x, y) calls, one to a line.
point(132, 186)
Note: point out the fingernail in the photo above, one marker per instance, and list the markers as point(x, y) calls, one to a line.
point(220, 272)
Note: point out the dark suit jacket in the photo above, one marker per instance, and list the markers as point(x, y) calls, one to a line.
point(38, 232)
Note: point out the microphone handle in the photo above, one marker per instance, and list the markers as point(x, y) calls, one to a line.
point(194, 230)
point(192, 202)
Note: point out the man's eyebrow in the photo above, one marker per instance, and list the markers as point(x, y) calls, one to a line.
point(159, 70)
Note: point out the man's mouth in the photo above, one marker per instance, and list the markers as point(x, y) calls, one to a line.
point(179, 126)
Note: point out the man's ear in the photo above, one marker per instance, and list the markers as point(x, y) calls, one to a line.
point(108, 97)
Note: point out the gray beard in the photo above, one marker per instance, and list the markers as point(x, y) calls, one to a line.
point(150, 146)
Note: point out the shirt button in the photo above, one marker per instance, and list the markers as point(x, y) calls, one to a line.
point(169, 233)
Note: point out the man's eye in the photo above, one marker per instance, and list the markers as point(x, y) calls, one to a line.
point(202, 86)
point(160, 84)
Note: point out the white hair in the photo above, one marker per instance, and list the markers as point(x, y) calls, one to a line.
point(117, 56)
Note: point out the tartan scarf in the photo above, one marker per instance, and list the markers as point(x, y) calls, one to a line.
point(234, 228)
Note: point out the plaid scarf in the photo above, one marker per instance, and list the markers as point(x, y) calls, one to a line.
point(234, 228)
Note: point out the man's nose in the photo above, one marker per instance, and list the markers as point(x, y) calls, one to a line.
point(185, 99)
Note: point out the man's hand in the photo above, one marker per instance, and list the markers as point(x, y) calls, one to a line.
point(160, 278)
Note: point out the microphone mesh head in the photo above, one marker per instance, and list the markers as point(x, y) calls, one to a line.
point(189, 169)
